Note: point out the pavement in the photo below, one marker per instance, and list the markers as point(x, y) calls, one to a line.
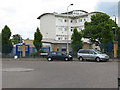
point(44, 59)
point(59, 74)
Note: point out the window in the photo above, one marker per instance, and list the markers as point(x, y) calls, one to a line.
point(57, 49)
point(59, 38)
point(19, 48)
point(59, 53)
point(65, 29)
point(63, 49)
point(65, 20)
point(53, 53)
point(26, 48)
point(65, 37)
point(86, 51)
point(91, 52)
point(76, 21)
point(83, 51)
point(80, 20)
point(60, 20)
point(84, 19)
point(60, 28)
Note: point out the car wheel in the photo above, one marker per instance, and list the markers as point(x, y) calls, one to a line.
point(80, 58)
point(98, 59)
point(49, 59)
point(66, 59)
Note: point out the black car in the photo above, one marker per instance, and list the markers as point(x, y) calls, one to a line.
point(55, 55)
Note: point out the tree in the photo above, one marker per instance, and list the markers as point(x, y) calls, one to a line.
point(118, 34)
point(6, 42)
point(16, 38)
point(118, 39)
point(99, 30)
point(76, 43)
point(37, 40)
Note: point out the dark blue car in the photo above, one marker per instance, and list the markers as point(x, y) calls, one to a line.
point(55, 55)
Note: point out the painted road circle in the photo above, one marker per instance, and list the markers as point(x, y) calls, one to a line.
point(17, 69)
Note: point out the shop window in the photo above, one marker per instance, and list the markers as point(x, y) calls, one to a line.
point(63, 49)
point(26, 48)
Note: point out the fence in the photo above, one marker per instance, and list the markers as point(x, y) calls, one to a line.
point(104, 48)
point(32, 52)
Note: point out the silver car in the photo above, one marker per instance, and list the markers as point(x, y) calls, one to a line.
point(91, 54)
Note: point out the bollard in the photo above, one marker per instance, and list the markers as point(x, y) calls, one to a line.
point(15, 57)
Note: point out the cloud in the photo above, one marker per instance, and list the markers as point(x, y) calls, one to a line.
point(21, 15)
point(108, 6)
point(108, 0)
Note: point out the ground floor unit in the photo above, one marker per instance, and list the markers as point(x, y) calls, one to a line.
point(28, 49)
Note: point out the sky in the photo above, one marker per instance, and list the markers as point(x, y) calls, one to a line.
point(21, 15)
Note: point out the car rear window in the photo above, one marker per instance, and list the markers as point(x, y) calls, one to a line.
point(83, 51)
point(80, 51)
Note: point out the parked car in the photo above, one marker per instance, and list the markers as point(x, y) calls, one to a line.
point(119, 83)
point(91, 54)
point(55, 55)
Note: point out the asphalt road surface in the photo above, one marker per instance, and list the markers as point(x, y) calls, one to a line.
point(59, 74)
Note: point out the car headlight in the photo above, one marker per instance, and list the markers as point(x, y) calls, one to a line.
point(102, 56)
point(70, 56)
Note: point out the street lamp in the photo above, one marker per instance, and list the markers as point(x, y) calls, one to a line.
point(115, 41)
point(20, 46)
point(68, 27)
point(115, 26)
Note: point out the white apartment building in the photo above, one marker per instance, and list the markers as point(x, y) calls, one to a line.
point(53, 26)
point(119, 13)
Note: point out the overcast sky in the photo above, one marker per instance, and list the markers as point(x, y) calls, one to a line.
point(21, 15)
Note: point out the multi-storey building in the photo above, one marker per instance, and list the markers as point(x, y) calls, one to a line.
point(119, 13)
point(54, 26)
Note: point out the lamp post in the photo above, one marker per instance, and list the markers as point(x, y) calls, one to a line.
point(115, 41)
point(20, 46)
point(68, 27)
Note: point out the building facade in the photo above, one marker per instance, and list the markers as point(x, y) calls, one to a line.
point(119, 13)
point(54, 26)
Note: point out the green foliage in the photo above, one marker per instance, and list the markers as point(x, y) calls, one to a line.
point(99, 30)
point(37, 40)
point(76, 43)
point(118, 39)
point(118, 34)
point(16, 38)
point(6, 42)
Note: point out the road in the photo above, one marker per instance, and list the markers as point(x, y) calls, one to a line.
point(59, 74)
